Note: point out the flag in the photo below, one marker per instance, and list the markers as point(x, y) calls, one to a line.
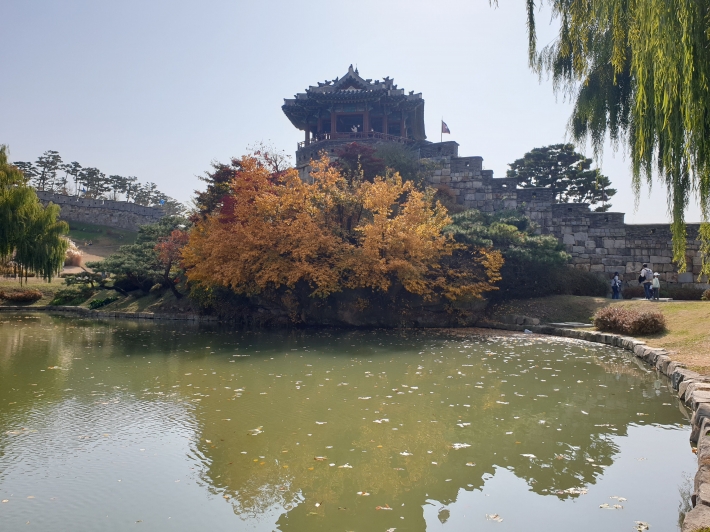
point(445, 128)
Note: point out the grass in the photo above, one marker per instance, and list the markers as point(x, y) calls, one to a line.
point(552, 309)
point(687, 337)
point(137, 302)
point(105, 240)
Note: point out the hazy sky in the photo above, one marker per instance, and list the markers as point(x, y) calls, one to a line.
point(158, 89)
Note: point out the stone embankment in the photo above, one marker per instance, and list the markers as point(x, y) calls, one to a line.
point(103, 314)
point(693, 389)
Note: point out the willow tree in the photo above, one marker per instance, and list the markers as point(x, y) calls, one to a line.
point(638, 72)
point(30, 234)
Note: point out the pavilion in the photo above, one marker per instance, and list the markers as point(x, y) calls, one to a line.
point(354, 109)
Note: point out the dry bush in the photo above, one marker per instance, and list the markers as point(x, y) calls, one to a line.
point(626, 321)
point(21, 296)
point(705, 296)
point(74, 256)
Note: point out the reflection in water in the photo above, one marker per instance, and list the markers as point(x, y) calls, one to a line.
point(178, 427)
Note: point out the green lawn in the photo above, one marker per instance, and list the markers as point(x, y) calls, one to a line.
point(105, 240)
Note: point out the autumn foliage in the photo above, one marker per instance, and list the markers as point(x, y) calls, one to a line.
point(273, 230)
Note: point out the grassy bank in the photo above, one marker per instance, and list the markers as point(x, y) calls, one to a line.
point(132, 302)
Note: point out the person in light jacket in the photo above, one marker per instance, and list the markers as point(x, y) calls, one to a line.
point(656, 284)
point(616, 286)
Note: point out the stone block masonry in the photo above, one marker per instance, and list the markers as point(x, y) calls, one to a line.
point(119, 214)
point(597, 241)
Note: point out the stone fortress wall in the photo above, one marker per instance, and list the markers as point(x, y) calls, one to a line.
point(597, 241)
point(119, 214)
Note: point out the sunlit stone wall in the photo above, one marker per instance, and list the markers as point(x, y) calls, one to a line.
point(119, 214)
point(597, 242)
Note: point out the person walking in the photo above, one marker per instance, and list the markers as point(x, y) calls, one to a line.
point(615, 286)
point(656, 285)
point(646, 278)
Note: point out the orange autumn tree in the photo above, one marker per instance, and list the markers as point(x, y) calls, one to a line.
point(274, 230)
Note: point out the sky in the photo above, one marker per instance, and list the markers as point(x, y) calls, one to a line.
point(160, 89)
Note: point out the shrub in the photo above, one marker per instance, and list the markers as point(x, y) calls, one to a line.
point(74, 295)
point(21, 296)
point(627, 321)
point(74, 256)
point(706, 295)
point(681, 293)
point(98, 303)
point(678, 293)
point(529, 280)
point(84, 278)
point(630, 292)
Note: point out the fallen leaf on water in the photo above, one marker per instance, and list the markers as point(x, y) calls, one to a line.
point(606, 506)
point(641, 526)
point(470, 464)
point(385, 507)
point(405, 453)
point(494, 517)
point(318, 504)
point(5, 500)
point(320, 458)
point(345, 466)
point(362, 493)
point(459, 445)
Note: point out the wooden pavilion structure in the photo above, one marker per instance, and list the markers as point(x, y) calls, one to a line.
point(354, 109)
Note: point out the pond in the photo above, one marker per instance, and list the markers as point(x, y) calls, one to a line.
point(144, 426)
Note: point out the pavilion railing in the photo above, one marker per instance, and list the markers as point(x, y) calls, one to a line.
point(360, 135)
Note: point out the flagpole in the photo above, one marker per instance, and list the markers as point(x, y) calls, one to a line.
point(441, 128)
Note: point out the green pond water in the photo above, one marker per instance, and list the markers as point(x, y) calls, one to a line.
point(122, 425)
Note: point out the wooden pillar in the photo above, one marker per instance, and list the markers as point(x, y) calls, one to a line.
point(366, 122)
point(333, 120)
